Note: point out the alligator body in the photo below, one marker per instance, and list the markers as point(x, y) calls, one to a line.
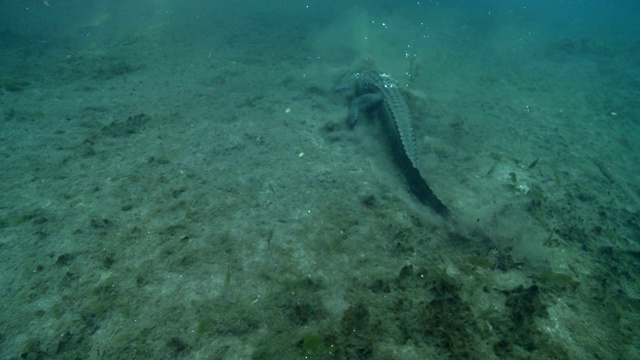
point(374, 89)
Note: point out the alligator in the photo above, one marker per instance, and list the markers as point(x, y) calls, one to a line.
point(380, 90)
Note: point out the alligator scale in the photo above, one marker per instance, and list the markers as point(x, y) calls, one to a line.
point(374, 89)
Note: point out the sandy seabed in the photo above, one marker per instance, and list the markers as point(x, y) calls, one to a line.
point(168, 193)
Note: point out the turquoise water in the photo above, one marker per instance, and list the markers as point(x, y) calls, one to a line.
point(177, 181)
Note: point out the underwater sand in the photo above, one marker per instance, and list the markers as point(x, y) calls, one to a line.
point(187, 188)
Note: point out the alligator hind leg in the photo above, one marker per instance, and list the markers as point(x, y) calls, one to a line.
point(362, 103)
